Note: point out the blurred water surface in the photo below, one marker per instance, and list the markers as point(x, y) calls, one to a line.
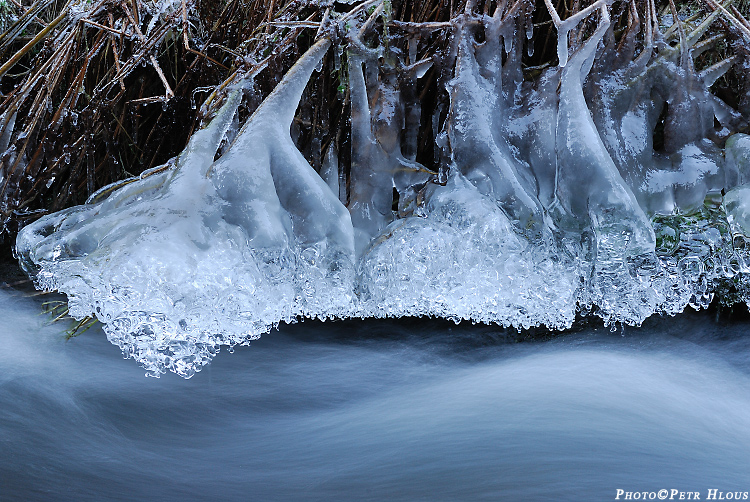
point(386, 410)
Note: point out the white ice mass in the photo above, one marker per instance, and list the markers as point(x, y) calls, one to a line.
point(553, 200)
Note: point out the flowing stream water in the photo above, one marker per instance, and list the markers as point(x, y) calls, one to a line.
point(615, 182)
point(378, 410)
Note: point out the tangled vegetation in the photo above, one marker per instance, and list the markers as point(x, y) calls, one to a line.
point(98, 91)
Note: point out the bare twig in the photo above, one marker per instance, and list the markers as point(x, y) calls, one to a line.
point(102, 27)
point(133, 16)
point(38, 38)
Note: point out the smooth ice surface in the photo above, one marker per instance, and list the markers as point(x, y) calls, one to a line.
point(596, 188)
point(737, 203)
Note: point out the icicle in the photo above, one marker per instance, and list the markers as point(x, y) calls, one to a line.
point(529, 22)
point(378, 164)
point(477, 111)
point(8, 122)
point(716, 71)
point(508, 42)
point(562, 46)
point(330, 172)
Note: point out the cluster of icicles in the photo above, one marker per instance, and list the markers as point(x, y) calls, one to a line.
point(554, 201)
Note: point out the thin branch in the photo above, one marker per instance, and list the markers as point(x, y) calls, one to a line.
point(102, 27)
point(38, 38)
point(132, 16)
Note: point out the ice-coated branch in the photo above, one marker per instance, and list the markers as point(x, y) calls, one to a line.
point(683, 49)
point(716, 71)
point(282, 101)
point(735, 20)
point(378, 164)
point(588, 182)
point(476, 114)
point(564, 27)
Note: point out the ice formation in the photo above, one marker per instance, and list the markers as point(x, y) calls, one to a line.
point(553, 199)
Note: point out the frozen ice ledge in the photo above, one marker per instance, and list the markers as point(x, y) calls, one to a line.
point(552, 200)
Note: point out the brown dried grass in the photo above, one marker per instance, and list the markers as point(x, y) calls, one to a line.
point(104, 94)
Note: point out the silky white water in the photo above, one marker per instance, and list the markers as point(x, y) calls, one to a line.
point(378, 410)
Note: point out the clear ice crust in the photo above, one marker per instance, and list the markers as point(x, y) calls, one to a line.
point(553, 199)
